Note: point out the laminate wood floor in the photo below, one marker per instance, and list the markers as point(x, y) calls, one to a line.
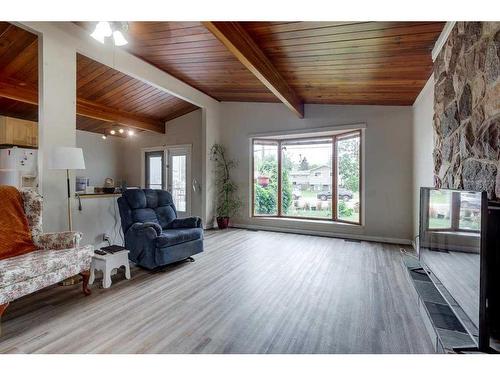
point(249, 292)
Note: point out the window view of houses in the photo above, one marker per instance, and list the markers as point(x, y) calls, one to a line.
point(456, 211)
point(320, 178)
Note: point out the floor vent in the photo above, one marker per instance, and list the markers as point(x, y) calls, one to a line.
point(352, 240)
point(444, 326)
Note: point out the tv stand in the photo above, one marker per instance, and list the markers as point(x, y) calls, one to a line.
point(447, 329)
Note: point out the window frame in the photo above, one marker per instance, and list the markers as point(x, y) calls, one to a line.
point(334, 175)
point(147, 154)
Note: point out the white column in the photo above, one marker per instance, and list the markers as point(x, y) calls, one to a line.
point(211, 131)
point(57, 122)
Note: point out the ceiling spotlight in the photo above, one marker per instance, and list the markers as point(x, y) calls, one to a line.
point(102, 31)
point(112, 132)
point(104, 136)
point(130, 132)
point(105, 29)
point(118, 38)
point(120, 131)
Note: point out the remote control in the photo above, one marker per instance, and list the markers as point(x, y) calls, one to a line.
point(100, 252)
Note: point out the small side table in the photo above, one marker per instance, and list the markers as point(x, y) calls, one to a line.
point(106, 264)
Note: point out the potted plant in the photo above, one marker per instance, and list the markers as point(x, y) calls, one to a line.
point(228, 203)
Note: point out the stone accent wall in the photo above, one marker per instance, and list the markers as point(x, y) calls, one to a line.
point(467, 109)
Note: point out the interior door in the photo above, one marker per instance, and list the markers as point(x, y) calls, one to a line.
point(179, 178)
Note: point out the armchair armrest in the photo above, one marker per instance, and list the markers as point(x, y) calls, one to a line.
point(188, 222)
point(140, 239)
point(151, 230)
point(57, 241)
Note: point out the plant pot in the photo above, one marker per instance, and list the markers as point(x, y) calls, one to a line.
point(222, 222)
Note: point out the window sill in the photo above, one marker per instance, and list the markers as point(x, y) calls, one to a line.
point(308, 221)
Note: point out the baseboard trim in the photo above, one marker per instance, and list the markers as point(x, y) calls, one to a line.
point(397, 241)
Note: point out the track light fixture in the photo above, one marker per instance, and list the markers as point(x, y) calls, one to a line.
point(120, 131)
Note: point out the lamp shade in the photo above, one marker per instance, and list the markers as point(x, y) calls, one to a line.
point(66, 158)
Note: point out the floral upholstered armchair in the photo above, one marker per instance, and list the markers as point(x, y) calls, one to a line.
point(59, 256)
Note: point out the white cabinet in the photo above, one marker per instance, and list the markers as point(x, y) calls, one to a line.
point(17, 132)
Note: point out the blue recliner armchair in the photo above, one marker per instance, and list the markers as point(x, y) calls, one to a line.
point(153, 233)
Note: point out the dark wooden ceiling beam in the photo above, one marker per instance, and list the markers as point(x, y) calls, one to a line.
point(242, 46)
point(87, 108)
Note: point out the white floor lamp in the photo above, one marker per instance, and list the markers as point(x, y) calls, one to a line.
point(67, 158)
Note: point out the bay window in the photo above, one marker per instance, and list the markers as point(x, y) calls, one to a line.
point(315, 178)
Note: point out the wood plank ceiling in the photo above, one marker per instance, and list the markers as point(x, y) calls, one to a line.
point(106, 98)
point(384, 63)
point(188, 51)
point(108, 87)
point(350, 63)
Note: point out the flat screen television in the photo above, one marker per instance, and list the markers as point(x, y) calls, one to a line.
point(450, 246)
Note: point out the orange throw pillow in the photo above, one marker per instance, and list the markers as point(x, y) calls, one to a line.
point(15, 236)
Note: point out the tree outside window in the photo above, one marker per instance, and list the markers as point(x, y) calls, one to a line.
point(316, 178)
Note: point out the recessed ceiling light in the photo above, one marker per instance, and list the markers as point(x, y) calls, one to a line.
point(120, 131)
point(130, 132)
point(104, 136)
point(112, 132)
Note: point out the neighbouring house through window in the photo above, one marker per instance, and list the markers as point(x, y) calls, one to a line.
point(308, 177)
point(454, 211)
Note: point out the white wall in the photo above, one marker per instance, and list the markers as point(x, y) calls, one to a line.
point(57, 122)
point(187, 129)
point(388, 162)
point(212, 130)
point(423, 144)
point(99, 216)
point(398, 160)
point(103, 157)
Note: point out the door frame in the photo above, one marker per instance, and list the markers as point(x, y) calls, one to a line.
point(189, 180)
point(143, 163)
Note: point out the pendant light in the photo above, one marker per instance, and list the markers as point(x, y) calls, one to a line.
point(102, 31)
point(118, 38)
point(105, 29)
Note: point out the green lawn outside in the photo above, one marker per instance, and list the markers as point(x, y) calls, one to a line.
point(354, 217)
point(440, 197)
point(435, 223)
